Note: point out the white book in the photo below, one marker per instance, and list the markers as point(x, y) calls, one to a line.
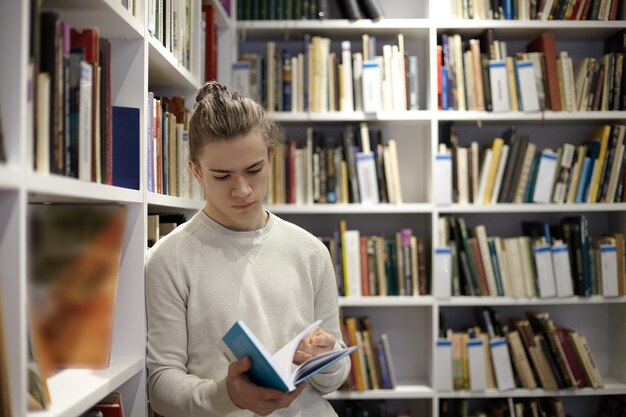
point(477, 365)
point(502, 363)
point(241, 77)
point(527, 85)
point(85, 121)
point(357, 80)
point(498, 81)
point(545, 175)
point(562, 269)
point(444, 365)
point(499, 173)
point(608, 261)
point(387, 84)
point(442, 275)
point(569, 88)
point(413, 87)
point(371, 86)
point(346, 103)
point(545, 271)
point(462, 175)
point(443, 179)
point(398, 80)
point(367, 177)
point(394, 171)
point(507, 286)
point(457, 50)
point(353, 262)
point(480, 232)
point(515, 266)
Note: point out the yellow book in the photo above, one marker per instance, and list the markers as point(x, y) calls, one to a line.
point(602, 133)
point(510, 72)
point(496, 151)
point(353, 337)
point(344, 258)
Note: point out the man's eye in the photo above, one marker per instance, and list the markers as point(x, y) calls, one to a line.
point(254, 171)
point(225, 177)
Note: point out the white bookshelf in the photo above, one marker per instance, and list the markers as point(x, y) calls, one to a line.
point(139, 64)
point(416, 319)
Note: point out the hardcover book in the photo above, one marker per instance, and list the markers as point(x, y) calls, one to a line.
point(277, 371)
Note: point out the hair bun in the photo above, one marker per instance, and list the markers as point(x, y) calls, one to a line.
point(209, 88)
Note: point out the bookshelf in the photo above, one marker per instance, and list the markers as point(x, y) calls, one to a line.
point(413, 321)
point(139, 64)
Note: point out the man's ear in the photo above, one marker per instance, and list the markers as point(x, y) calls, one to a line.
point(196, 171)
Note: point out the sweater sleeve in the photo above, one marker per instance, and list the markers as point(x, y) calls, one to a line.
point(327, 309)
point(171, 390)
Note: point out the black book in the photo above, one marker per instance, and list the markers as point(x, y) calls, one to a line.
point(350, 9)
point(372, 9)
point(617, 44)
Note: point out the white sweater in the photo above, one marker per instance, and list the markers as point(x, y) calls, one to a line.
point(201, 278)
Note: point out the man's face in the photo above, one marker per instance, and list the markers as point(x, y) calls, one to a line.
point(234, 173)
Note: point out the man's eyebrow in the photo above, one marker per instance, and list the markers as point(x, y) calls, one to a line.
point(226, 171)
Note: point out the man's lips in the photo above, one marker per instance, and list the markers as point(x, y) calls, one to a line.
point(243, 205)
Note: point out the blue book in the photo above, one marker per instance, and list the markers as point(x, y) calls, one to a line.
point(277, 371)
point(583, 182)
point(126, 147)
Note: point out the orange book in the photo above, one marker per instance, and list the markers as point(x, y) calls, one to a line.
point(546, 44)
point(74, 262)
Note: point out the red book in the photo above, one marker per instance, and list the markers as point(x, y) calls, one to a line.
point(546, 44)
point(365, 270)
point(570, 356)
point(210, 42)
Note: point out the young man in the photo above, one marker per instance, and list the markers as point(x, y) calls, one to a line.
point(231, 261)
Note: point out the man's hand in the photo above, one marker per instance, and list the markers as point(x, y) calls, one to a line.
point(249, 396)
point(317, 342)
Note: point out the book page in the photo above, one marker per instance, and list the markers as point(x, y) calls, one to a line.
point(284, 357)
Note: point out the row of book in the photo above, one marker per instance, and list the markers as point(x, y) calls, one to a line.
point(309, 9)
point(531, 352)
point(369, 408)
point(513, 170)
point(372, 364)
point(74, 253)
point(378, 265)
point(72, 106)
point(326, 76)
point(77, 132)
point(172, 22)
point(109, 406)
point(526, 407)
point(329, 170)
point(159, 225)
point(547, 261)
point(534, 10)
point(479, 74)
point(168, 147)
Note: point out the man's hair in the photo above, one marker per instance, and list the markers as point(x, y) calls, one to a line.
point(220, 114)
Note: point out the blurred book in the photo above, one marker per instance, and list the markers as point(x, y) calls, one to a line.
point(74, 260)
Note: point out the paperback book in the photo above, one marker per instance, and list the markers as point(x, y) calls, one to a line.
point(277, 371)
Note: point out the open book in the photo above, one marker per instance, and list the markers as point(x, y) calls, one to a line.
point(276, 371)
